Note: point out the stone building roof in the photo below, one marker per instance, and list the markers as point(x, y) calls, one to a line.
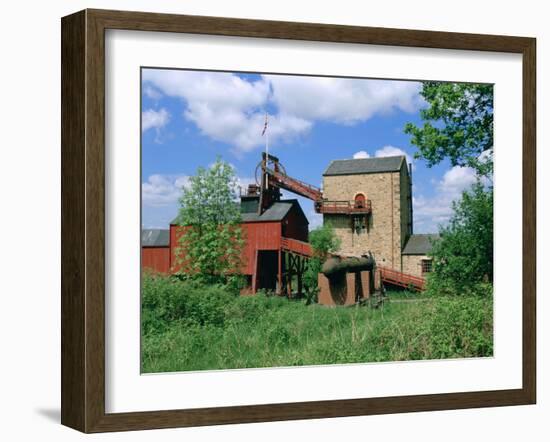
point(155, 237)
point(420, 244)
point(364, 165)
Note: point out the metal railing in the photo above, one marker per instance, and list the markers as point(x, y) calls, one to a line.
point(402, 279)
point(296, 246)
point(343, 207)
point(294, 185)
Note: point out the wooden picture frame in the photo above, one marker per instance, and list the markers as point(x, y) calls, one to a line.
point(83, 220)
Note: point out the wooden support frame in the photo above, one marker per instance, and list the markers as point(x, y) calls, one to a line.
point(279, 272)
point(296, 265)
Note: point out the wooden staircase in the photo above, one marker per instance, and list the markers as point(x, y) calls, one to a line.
point(405, 280)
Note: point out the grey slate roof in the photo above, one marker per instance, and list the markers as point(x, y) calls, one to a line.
point(276, 212)
point(364, 165)
point(155, 238)
point(420, 244)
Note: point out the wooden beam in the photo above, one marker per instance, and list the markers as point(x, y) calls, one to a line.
point(280, 273)
point(300, 274)
point(255, 273)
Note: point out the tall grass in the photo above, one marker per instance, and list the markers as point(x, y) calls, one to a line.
point(186, 326)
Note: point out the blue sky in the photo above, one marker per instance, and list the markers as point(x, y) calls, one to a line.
point(190, 117)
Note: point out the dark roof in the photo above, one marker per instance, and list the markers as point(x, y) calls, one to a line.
point(364, 165)
point(155, 238)
point(276, 212)
point(249, 204)
point(420, 244)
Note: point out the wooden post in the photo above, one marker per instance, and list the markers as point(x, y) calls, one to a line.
point(255, 273)
point(350, 289)
point(280, 274)
point(300, 273)
point(289, 272)
point(325, 295)
point(365, 284)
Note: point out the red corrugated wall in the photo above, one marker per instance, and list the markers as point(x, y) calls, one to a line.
point(156, 259)
point(294, 227)
point(257, 236)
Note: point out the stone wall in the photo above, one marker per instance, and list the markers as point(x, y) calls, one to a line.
point(406, 201)
point(412, 264)
point(388, 223)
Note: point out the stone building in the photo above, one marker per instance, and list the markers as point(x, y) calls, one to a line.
point(385, 184)
point(414, 257)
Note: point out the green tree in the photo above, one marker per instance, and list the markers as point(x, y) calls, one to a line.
point(458, 125)
point(323, 241)
point(463, 256)
point(211, 246)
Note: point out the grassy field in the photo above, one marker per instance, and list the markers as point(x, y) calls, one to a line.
point(186, 326)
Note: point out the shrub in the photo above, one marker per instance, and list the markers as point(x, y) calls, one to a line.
point(323, 242)
point(189, 326)
point(462, 326)
point(463, 256)
point(167, 300)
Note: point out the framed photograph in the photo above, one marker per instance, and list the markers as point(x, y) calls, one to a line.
point(268, 221)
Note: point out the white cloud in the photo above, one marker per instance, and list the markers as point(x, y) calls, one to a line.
point(342, 100)
point(457, 179)
point(152, 93)
point(162, 190)
point(486, 155)
point(361, 154)
point(229, 109)
point(386, 151)
point(154, 119)
point(429, 213)
point(315, 219)
point(392, 151)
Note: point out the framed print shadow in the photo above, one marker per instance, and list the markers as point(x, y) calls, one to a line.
point(267, 221)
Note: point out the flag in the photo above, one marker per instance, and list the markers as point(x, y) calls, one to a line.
point(265, 126)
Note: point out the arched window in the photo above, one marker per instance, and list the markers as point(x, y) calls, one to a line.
point(359, 201)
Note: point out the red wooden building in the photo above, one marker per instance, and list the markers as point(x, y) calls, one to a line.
point(275, 245)
point(155, 250)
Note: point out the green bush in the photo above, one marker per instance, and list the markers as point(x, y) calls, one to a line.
point(189, 326)
point(250, 309)
point(323, 241)
point(167, 300)
point(463, 256)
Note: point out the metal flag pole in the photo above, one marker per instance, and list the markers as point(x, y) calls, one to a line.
point(264, 132)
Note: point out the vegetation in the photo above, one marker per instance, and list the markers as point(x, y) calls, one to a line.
point(190, 326)
point(463, 257)
point(323, 241)
point(458, 125)
point(199, 322)
point(211, 247)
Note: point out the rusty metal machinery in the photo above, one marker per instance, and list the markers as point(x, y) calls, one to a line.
point(337, 265)
point(271, 176)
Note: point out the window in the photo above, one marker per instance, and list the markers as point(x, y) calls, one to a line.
point(426, 266)
point(359, 224)
point(359, 201)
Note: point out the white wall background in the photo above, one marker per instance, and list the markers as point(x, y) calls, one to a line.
point(30, 217)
